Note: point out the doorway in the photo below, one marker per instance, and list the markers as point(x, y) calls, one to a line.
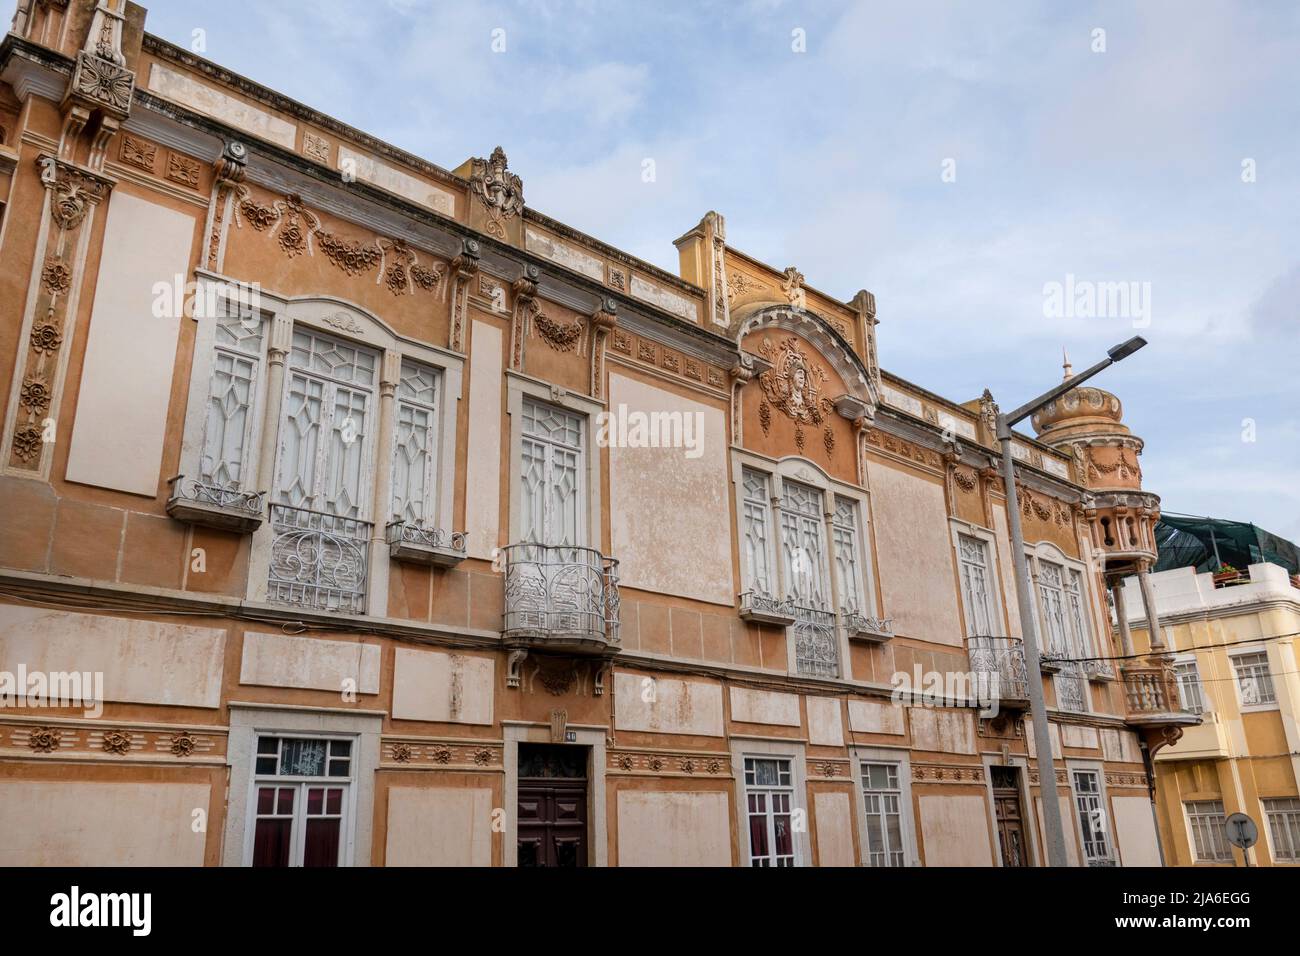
point(552, 811)
point(1010, 816)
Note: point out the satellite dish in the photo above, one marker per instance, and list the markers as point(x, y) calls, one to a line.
point(1242, 831)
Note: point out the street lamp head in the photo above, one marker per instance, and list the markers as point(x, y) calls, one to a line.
point(1125, 349)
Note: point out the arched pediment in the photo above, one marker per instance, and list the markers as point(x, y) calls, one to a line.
point(817, 332)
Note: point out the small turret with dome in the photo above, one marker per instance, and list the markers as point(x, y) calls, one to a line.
point(1087, 422)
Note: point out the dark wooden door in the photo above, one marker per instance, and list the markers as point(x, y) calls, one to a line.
point(1011, 824)
point(552, 815)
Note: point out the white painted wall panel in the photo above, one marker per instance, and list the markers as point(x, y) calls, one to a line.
point(673, 828)
point(126, 382)
point(483, 462)
point(670, 518)
point(956, 831)
point(439, 826)
point(278, 660)
point(143, 662)
point(78, 823)
point(915, 555)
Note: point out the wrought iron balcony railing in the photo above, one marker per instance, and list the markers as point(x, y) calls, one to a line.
point(1003, 659)
point(763, 608)
point(318, 560)
point(865, 628)
point(562, 597)
point(203, 503)
point(411, 542)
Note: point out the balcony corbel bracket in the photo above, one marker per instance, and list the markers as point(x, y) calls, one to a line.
point(515, 666)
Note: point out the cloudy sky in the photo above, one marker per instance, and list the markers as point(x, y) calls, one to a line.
point(955, 159)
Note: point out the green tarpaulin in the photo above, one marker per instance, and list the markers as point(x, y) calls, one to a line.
point(1185, 541)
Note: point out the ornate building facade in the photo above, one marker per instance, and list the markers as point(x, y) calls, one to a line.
point(406, 525)
point(1233, 636)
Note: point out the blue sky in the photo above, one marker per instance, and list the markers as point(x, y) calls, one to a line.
point(1122, 165)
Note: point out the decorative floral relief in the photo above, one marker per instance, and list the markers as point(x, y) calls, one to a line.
point(138, 152)
point(295, 226)
point(28, 441)
point(46, 338)
point(964, 479)
point(792, 286)
point(500, 191)
point(44, 740)
point(765, 416)
point(828, 440)
point(316, 147)
point(739, 284)
point(103, 81)
point(35, 397)
point(557, 335)
point(117, 742)
point(56, 277)
point(183, 744)
point(792, 384)
point(183, 170)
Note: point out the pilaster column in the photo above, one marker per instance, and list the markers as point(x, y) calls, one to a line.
point(72, 195)
point(603, 321)
point(381, 508)
point(463, 269)
point(277, 353)
point(525, 290)
point(740, 374)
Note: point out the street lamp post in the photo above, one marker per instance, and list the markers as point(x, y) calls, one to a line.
point(1025, 594)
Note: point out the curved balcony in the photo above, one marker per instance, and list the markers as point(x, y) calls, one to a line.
point(1151, 698)
point(999, 664)
point(203, 503)
point(560, 598)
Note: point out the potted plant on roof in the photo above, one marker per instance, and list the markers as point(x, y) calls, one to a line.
point(1225, 575)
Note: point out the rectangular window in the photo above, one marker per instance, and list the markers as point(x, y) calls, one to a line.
point(1209, 826)
point(1284, 827)
point(1190, 691)
point(300, 801)
point(1051, 588)
point(415, 446)
point(1092, 818)
point(757, 522)
point(1060, 591)
point(320, 511)
point(883, 802)
point(803, 549)
point(848, 575)
point(552, 474)
point(973, 553)
point(1254, 682)
point(226, 453)
point(768, 793)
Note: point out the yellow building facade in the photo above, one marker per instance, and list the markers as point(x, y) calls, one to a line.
point(1234, 647)
point(359, 513)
